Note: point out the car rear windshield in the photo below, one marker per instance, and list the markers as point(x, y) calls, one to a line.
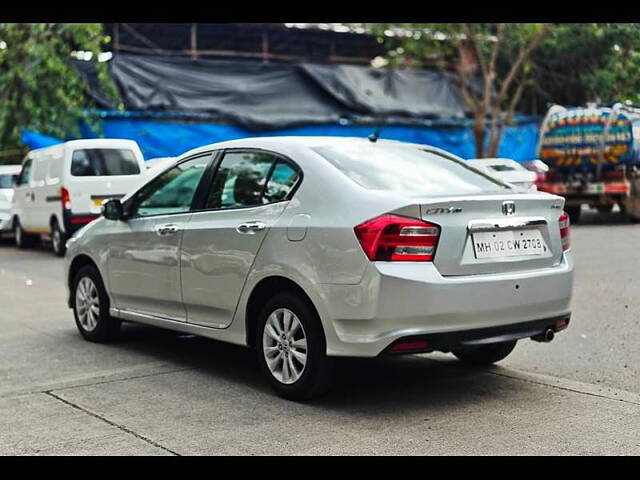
point(98, 162)
point(7, 180)
point(407, 169)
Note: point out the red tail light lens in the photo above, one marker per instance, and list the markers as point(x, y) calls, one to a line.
point(396, 238)
point(65, 198)
point(563, 221)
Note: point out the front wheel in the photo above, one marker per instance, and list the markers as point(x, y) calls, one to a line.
point(291, 348)
point(485, 354)
point(91, 307)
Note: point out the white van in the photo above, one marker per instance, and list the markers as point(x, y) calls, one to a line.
point(61, 188)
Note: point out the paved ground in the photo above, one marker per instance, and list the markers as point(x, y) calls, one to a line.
point(157, 392)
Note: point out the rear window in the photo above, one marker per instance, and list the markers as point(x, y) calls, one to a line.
point(407, 169)
point(7, 180)
point(99, 162)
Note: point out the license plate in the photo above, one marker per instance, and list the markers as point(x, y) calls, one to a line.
point(510, 243)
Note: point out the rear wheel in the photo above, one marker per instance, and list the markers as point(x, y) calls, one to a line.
point(574, 213)
point(91, 307)
point(291, 348)
point(485, 354)
point(23, 239)
point(58, 239)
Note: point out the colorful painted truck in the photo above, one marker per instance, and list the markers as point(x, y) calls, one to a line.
point(593, 155)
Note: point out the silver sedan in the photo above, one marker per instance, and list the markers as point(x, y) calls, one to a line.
point(308, 248)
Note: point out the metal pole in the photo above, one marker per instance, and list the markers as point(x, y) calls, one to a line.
point(194, 40)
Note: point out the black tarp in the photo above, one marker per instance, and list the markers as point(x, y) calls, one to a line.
point(275, 95)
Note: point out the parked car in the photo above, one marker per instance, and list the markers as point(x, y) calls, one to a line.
point(308, 248)
point(62, 187)
point(8, 177)
point(508, 171)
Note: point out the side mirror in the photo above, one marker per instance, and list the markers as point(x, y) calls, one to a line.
point(112, 209)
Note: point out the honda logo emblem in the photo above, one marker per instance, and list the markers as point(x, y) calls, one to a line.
point(508, 207)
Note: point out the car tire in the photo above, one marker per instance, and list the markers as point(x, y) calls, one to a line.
point(23, 239)
point(280, 355)
point(58, 239)
point(574, 212)
point(485, 354)
point(91, 307)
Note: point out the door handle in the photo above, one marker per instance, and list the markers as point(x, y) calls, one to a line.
point(250, 228)
point(166, 229)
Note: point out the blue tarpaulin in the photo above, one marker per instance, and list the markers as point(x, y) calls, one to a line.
point(168, 138)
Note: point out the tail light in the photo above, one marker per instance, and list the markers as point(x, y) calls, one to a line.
point(396, 238)
point(563, 221)
point(66, 198)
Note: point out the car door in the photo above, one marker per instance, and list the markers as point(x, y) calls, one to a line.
point(22, 201)
point(248, 193)
point(143, 263)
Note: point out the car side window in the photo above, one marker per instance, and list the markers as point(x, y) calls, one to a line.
point(240, 180)
point(172, 191)
point(25, 173)
point(282, 179)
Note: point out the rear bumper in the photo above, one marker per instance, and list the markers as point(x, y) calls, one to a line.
point(448, 341)
point(397, 300)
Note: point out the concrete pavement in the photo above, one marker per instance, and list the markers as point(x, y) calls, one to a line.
point(156, 392)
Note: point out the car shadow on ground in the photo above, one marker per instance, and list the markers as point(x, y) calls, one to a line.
point(379, 384)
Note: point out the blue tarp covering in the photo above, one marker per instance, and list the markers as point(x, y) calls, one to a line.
point(171, 138)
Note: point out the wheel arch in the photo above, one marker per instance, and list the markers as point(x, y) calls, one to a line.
point(262, 292)
point(76, 264)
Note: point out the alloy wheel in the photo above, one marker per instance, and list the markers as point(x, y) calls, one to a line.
point(87, 304)
point(284, 345)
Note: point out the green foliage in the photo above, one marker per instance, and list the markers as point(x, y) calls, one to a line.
point(587, 62)
point(39, 87)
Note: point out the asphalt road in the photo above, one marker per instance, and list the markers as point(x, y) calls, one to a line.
point(162, 393)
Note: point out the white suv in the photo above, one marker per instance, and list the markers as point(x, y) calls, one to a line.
point(61, 188)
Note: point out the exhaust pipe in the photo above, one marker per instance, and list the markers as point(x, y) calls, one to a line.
point(546, 336)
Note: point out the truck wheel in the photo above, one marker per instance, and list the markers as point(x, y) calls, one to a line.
point(574, 212)
point(485, 354)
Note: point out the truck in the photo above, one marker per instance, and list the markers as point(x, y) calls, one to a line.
point(593, 158)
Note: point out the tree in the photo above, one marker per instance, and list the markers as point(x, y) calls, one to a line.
point(468, 53)
point(586, 62)
point(39, 87)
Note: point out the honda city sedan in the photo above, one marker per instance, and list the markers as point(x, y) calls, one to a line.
point(309, 248)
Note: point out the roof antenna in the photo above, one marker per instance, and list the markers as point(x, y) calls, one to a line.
point(375, 135)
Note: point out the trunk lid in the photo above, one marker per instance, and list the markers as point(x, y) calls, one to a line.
point(495, 233)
